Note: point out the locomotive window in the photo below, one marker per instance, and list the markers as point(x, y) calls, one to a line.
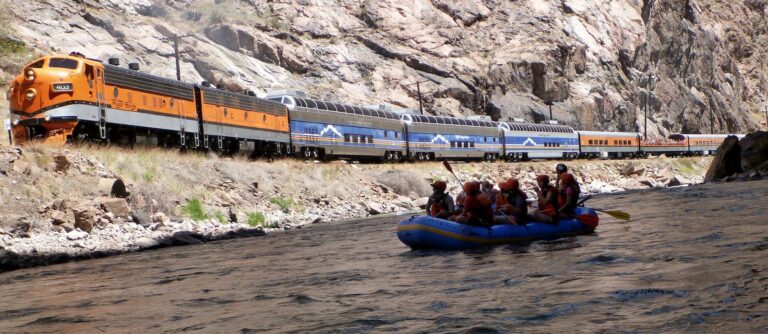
point(63, 63)
point(37, 64)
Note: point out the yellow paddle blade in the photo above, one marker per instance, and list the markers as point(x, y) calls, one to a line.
point(616, 214)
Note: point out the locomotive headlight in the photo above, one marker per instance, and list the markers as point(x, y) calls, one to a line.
point(29, 75)
point(60, 87)
point(47, 118)
point(15, 122)
point(30, 94)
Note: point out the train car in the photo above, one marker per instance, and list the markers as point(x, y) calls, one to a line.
point(439, 137)
point(322, 129)
point(600, 144)
point(701, 144)
point(233, 122)
point(523, 141)
point(65, 97)
point(668, 146)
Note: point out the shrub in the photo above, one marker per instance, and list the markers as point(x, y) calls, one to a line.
point(404, 182)
point(285, 204)
point(194, 209)
point(256, 219)
point(218, 215)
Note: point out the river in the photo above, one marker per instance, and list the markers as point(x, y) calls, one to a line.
point(692, 260)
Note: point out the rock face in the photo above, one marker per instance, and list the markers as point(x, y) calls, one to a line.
point(696, 65)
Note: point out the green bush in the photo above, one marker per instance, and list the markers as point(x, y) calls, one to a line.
point(194, 209)
point(218, 215)
point(256, 219)
point(10, 46)
point(285, 204)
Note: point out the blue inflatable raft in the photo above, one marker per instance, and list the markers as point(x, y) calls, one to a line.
point(424, 232)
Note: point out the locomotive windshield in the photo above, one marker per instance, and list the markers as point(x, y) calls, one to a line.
point(66, 63)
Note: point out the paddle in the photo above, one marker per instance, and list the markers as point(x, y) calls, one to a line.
point(615, 213)
point(448, 167)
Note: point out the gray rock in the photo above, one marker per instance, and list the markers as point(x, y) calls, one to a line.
point(421, 202)
point(76, 235)
point(141, 217)
point(145, 242)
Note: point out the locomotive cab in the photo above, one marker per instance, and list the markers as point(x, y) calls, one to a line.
point(44, 97)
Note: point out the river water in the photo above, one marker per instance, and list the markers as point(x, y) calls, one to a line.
point(692, 260)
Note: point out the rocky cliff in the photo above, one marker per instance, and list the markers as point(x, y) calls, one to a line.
point(696, 64)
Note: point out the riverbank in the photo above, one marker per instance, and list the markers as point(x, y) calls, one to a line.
point(68, 202)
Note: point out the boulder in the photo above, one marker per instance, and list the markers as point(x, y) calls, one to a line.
point(678, 180)
point(76, 235)
point(21, 167)
point(373, 208)
point(62, 164)
point(161, 218)
point(117, 206)
point(648, 182)
point(59, 217)
point(84, 219)
point(727, 161)
point(145, 242)
point(754, 150)
point(629, 170)
point(421, 202)
point(141, 217)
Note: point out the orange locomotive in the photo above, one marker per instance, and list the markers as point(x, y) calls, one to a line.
point(69, 97)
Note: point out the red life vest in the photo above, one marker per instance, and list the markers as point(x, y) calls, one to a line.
point(438, 205)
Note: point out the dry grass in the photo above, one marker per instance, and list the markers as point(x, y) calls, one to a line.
point(404, 182)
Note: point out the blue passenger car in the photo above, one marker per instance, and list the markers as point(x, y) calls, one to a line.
point(523, 141)
point(322, 129)
point(439, 137)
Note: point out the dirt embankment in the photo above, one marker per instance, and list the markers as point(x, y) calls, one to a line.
point(59, 203)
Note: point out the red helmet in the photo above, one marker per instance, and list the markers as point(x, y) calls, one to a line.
point(511, 184)
point(568, 178)
point(439, 185)
point(471, 187)
point(542, 178)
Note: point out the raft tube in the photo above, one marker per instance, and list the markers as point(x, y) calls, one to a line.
point(424, 232)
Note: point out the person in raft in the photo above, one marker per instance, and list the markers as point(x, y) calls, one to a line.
point(486, 187)
point(569, 196)
point(511, 204)
point(477, 206)
point(440, 203)
point(559, 170)
point(547, 196)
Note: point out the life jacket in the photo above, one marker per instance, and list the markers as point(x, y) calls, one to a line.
point(438, 204)
point(480, 213)
point(549, 208)
point(503, 198)
point(564, 196)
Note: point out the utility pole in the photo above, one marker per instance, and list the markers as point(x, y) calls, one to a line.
point(550, 102)
point(647, 98)
point(176, 53)
point(418, 91)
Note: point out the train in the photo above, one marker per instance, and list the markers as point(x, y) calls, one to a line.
point(71, 98)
